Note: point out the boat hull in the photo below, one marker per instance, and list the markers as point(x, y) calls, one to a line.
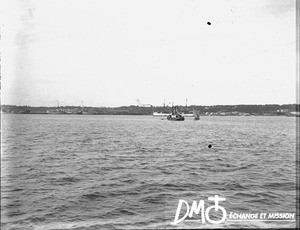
point(175, 118)
point(160, 114)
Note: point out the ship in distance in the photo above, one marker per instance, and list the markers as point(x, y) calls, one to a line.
point(175, 115)
point(161, 114)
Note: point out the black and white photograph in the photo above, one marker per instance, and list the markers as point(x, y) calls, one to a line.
point(149, 114)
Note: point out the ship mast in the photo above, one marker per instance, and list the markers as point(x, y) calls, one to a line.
point(186, 108)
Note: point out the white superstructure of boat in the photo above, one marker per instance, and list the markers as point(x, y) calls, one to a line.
point(158, 114)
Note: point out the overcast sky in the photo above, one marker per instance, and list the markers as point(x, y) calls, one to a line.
point(115, 52)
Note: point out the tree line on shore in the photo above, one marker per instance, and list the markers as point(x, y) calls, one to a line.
point(268, 109)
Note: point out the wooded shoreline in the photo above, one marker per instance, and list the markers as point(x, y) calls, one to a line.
point(215, 110)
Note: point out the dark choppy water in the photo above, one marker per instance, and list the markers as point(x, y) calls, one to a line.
point(102, 172)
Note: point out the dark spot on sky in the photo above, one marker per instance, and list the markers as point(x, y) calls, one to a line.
point(208, 23)
point(209, 146)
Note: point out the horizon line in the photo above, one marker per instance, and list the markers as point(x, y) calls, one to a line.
point(148, 105)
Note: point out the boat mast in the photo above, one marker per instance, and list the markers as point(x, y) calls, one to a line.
point(186, 109)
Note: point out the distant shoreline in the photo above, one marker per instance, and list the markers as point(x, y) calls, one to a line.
point(215, 110)
point(217, 115)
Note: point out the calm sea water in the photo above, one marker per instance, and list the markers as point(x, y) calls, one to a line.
point(118, 172)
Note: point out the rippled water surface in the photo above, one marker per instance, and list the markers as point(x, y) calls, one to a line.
point(106, 172)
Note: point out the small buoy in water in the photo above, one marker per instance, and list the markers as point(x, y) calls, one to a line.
point(209, 146)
